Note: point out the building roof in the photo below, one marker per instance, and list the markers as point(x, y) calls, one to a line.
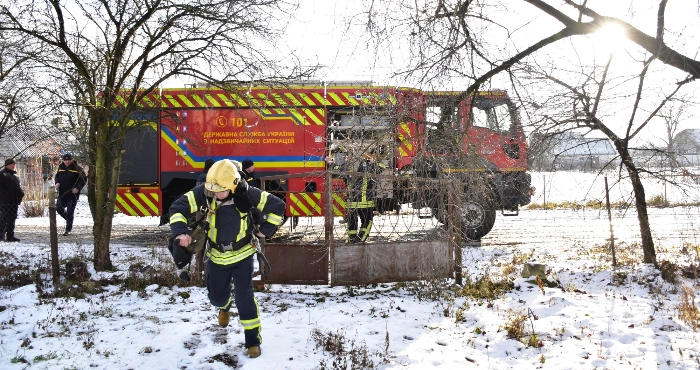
point(29, 142)
point(691, 133)
point(687, 141)
point(575, 144)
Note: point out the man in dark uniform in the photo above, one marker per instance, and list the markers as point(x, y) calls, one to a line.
point(228, 203)
point(70, 178)
point(248, 173)
point(11, 195)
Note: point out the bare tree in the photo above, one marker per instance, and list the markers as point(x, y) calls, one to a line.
point(450, 39)
point(580, 109)
point(112, 56)
point(673, 115)
point(19, 95)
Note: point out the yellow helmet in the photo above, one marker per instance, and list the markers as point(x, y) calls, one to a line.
point(223, 175)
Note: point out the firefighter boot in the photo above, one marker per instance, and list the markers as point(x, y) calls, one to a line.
point(254, 351)
point(224, 318)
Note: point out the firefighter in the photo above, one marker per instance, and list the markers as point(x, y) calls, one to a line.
point(228, 203)
point(360, 199)
point(69, 179)
point(203, 176)
point(11, 195)
point(248, 173)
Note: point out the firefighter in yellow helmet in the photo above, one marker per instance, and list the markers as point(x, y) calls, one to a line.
point(360, 197)
point(228, 203)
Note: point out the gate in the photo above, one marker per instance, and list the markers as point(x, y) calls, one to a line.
point(403, 246)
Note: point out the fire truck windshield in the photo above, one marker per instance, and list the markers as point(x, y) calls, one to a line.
point(496, 115)
point(443, 125)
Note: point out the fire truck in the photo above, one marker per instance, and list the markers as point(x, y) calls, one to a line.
point(290, 131)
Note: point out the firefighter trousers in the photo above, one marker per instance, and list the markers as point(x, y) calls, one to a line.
point(219, 278)
point(8, 216)
point(366, 215)
point(65, 207)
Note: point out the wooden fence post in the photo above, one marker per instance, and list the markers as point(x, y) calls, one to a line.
point(612, 236)
point(329, 220)
point(453, 210)
point(53, 237)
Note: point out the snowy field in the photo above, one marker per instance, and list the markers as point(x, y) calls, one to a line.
point(594, 316)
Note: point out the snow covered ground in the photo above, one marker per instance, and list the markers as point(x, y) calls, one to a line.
point(597, 316)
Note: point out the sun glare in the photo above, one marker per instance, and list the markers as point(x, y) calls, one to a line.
point(610, 38)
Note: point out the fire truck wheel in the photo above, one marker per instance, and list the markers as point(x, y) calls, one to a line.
point(478, 216)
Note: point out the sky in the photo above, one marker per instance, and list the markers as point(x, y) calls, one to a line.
point(596, 321)
point(333, 35)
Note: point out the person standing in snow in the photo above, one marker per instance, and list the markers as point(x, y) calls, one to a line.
point(227, 202)
point(69, 180)
point(11, 195)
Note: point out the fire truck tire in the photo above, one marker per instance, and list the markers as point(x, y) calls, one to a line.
point(478, 215)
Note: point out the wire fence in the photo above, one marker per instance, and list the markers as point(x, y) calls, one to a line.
point(421, 214)
point(33, 225)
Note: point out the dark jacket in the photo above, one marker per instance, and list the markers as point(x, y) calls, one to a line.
point(69, 178)
point(250, 178)
point(230, 222)
point(10, 191)
point(202, 178)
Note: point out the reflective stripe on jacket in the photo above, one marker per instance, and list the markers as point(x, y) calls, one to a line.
point(228, 221)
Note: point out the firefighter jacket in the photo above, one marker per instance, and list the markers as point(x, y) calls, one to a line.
point(229, 219)
point(360, 189)
point(250, 178)
point(202, 178)
point(69, 178)
point(10, 191)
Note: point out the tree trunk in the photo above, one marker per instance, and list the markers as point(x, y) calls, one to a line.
point(641, 205)
point(105, 190)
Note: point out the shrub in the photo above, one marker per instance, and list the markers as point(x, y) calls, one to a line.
point(668, 272)
point(534, 341)
point(515, 325)
point(485, 288)
point(657, 201)
point(35, 200)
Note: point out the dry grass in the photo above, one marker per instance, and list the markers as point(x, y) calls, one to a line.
point(346, 353)
point(687, 310)
point(515, 324)
point(592, 204)
point(658, 201)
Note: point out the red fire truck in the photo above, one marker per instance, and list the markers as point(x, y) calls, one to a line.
point(288, 130)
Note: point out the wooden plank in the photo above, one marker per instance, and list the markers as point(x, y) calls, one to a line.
point(358, 264)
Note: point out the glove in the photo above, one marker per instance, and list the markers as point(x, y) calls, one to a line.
point(181, 256)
